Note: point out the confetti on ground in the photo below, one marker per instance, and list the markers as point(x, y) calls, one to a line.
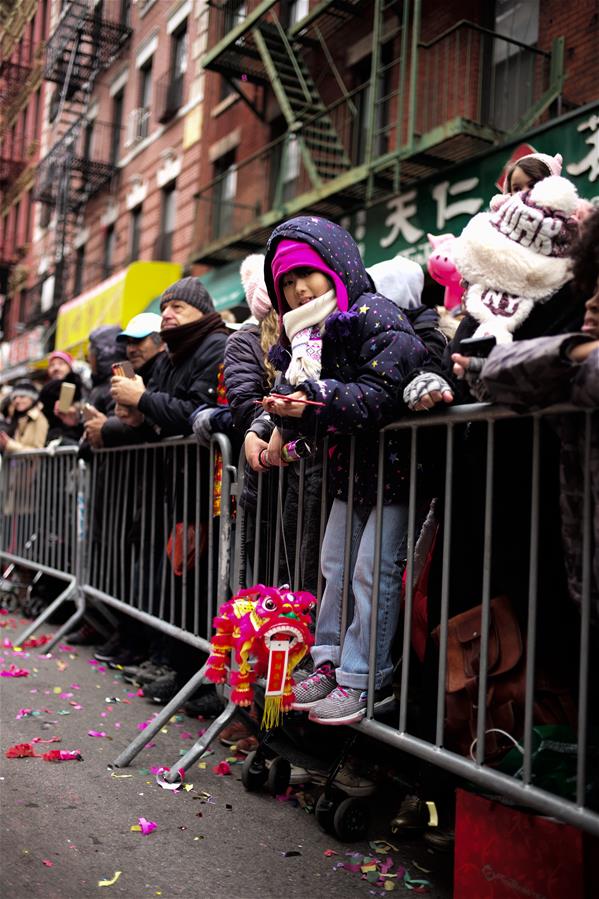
point(47, 863)
point(14, 671)
point(144, 826)
point(96, 733)
point(222, 769)
point(109, 883)
point(379, 872)
point(114, 774)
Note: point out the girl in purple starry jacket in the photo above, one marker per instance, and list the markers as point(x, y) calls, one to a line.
point(351, 350)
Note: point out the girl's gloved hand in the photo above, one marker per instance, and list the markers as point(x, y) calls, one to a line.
point(425, 391)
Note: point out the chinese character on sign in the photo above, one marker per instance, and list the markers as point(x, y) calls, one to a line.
point(402, 209)
point(445, 210)
point(591, 160)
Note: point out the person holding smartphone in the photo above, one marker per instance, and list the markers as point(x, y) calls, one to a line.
point(28, 426)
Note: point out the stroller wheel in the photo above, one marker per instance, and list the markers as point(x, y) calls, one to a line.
point(254, 772)
point(279, 774)
point(351, 820)
point(325, 813)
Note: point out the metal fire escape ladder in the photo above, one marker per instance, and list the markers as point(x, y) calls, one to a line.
point(64, 218)
point(322, 152)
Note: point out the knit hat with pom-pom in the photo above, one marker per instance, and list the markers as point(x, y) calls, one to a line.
point(252, 278)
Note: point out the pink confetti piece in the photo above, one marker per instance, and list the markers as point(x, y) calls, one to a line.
point(66, 696)
point(51, 740)
point(147, 826)
point(47, 863)
point(185, 735)
point(24, 713)
point(14, 671)
point(96, 733)
point(222, 769)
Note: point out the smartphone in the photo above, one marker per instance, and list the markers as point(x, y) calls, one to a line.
point(477, 346)
point(88, 412)
point(123, 369)
point(67, 394)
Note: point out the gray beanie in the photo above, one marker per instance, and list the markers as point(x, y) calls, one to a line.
point(189, 290)
point(25, 388)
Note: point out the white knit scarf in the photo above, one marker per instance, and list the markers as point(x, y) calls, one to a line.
point(304, 327)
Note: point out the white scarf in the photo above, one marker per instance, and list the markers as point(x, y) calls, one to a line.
point(304, 327)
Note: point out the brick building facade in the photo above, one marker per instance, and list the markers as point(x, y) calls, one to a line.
point(193, 128)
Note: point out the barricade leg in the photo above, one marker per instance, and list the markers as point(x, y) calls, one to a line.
point(200, 746)
point(136, 745)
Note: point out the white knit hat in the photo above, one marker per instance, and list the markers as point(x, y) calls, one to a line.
point(252, 278)
point(553, 163)
point(517, 255)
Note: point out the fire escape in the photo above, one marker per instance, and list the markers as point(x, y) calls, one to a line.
point(421, 108)
point(20, 75)
point(80, 161)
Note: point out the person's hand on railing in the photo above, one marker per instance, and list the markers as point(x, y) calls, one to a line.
point(132, 417)
point(93, 429)
point(272, 456)
point(469, 368)
point(254, 447)
point(425, 391)
point(127, 391)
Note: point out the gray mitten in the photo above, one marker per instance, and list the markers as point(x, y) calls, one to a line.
point(422, 384)
point(202, 426)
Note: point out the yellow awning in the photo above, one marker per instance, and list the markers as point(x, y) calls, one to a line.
point(113, 302)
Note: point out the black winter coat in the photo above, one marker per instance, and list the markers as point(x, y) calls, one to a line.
point(245, 375)
point(175, 392)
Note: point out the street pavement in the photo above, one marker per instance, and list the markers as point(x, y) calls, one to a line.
point(66, 828)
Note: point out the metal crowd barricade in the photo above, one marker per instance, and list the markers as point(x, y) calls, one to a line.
point(474, 769)
point(267, 550)
point(159, 545)
point(43, 525)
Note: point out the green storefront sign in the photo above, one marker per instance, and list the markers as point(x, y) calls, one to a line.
point(444, 204)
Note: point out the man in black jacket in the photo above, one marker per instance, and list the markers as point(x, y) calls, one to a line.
point(185, 377)
point(143, 344)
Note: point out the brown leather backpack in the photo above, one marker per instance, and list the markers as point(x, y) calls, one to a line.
point(506, 674)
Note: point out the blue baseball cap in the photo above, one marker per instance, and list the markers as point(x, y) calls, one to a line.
point(141, 326)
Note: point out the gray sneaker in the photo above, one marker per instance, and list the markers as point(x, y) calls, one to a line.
point(314, 688)
point(343, 705)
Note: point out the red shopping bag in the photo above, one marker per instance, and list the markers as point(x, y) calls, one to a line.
point(502, 852)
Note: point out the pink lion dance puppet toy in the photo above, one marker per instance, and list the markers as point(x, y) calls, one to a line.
point(442, 269)
point(267, 631)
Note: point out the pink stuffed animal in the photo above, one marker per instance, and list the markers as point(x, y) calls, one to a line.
point(441, 268)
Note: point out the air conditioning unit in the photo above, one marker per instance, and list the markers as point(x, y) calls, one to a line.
point(138, 126)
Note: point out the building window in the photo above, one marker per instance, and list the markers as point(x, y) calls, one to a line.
point(508, 90)
point(125, 13)
point(145, 99)
point(164, 244)
point(225, 191)
point(179, 51)
point(109, 248)
point(118, 102)
point(235, 13)
point(380, 138)
point(135, 233)
point(296, 11)
point(79, 267)
point(170, 87)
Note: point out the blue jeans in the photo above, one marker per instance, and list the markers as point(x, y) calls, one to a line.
point(351, 659)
